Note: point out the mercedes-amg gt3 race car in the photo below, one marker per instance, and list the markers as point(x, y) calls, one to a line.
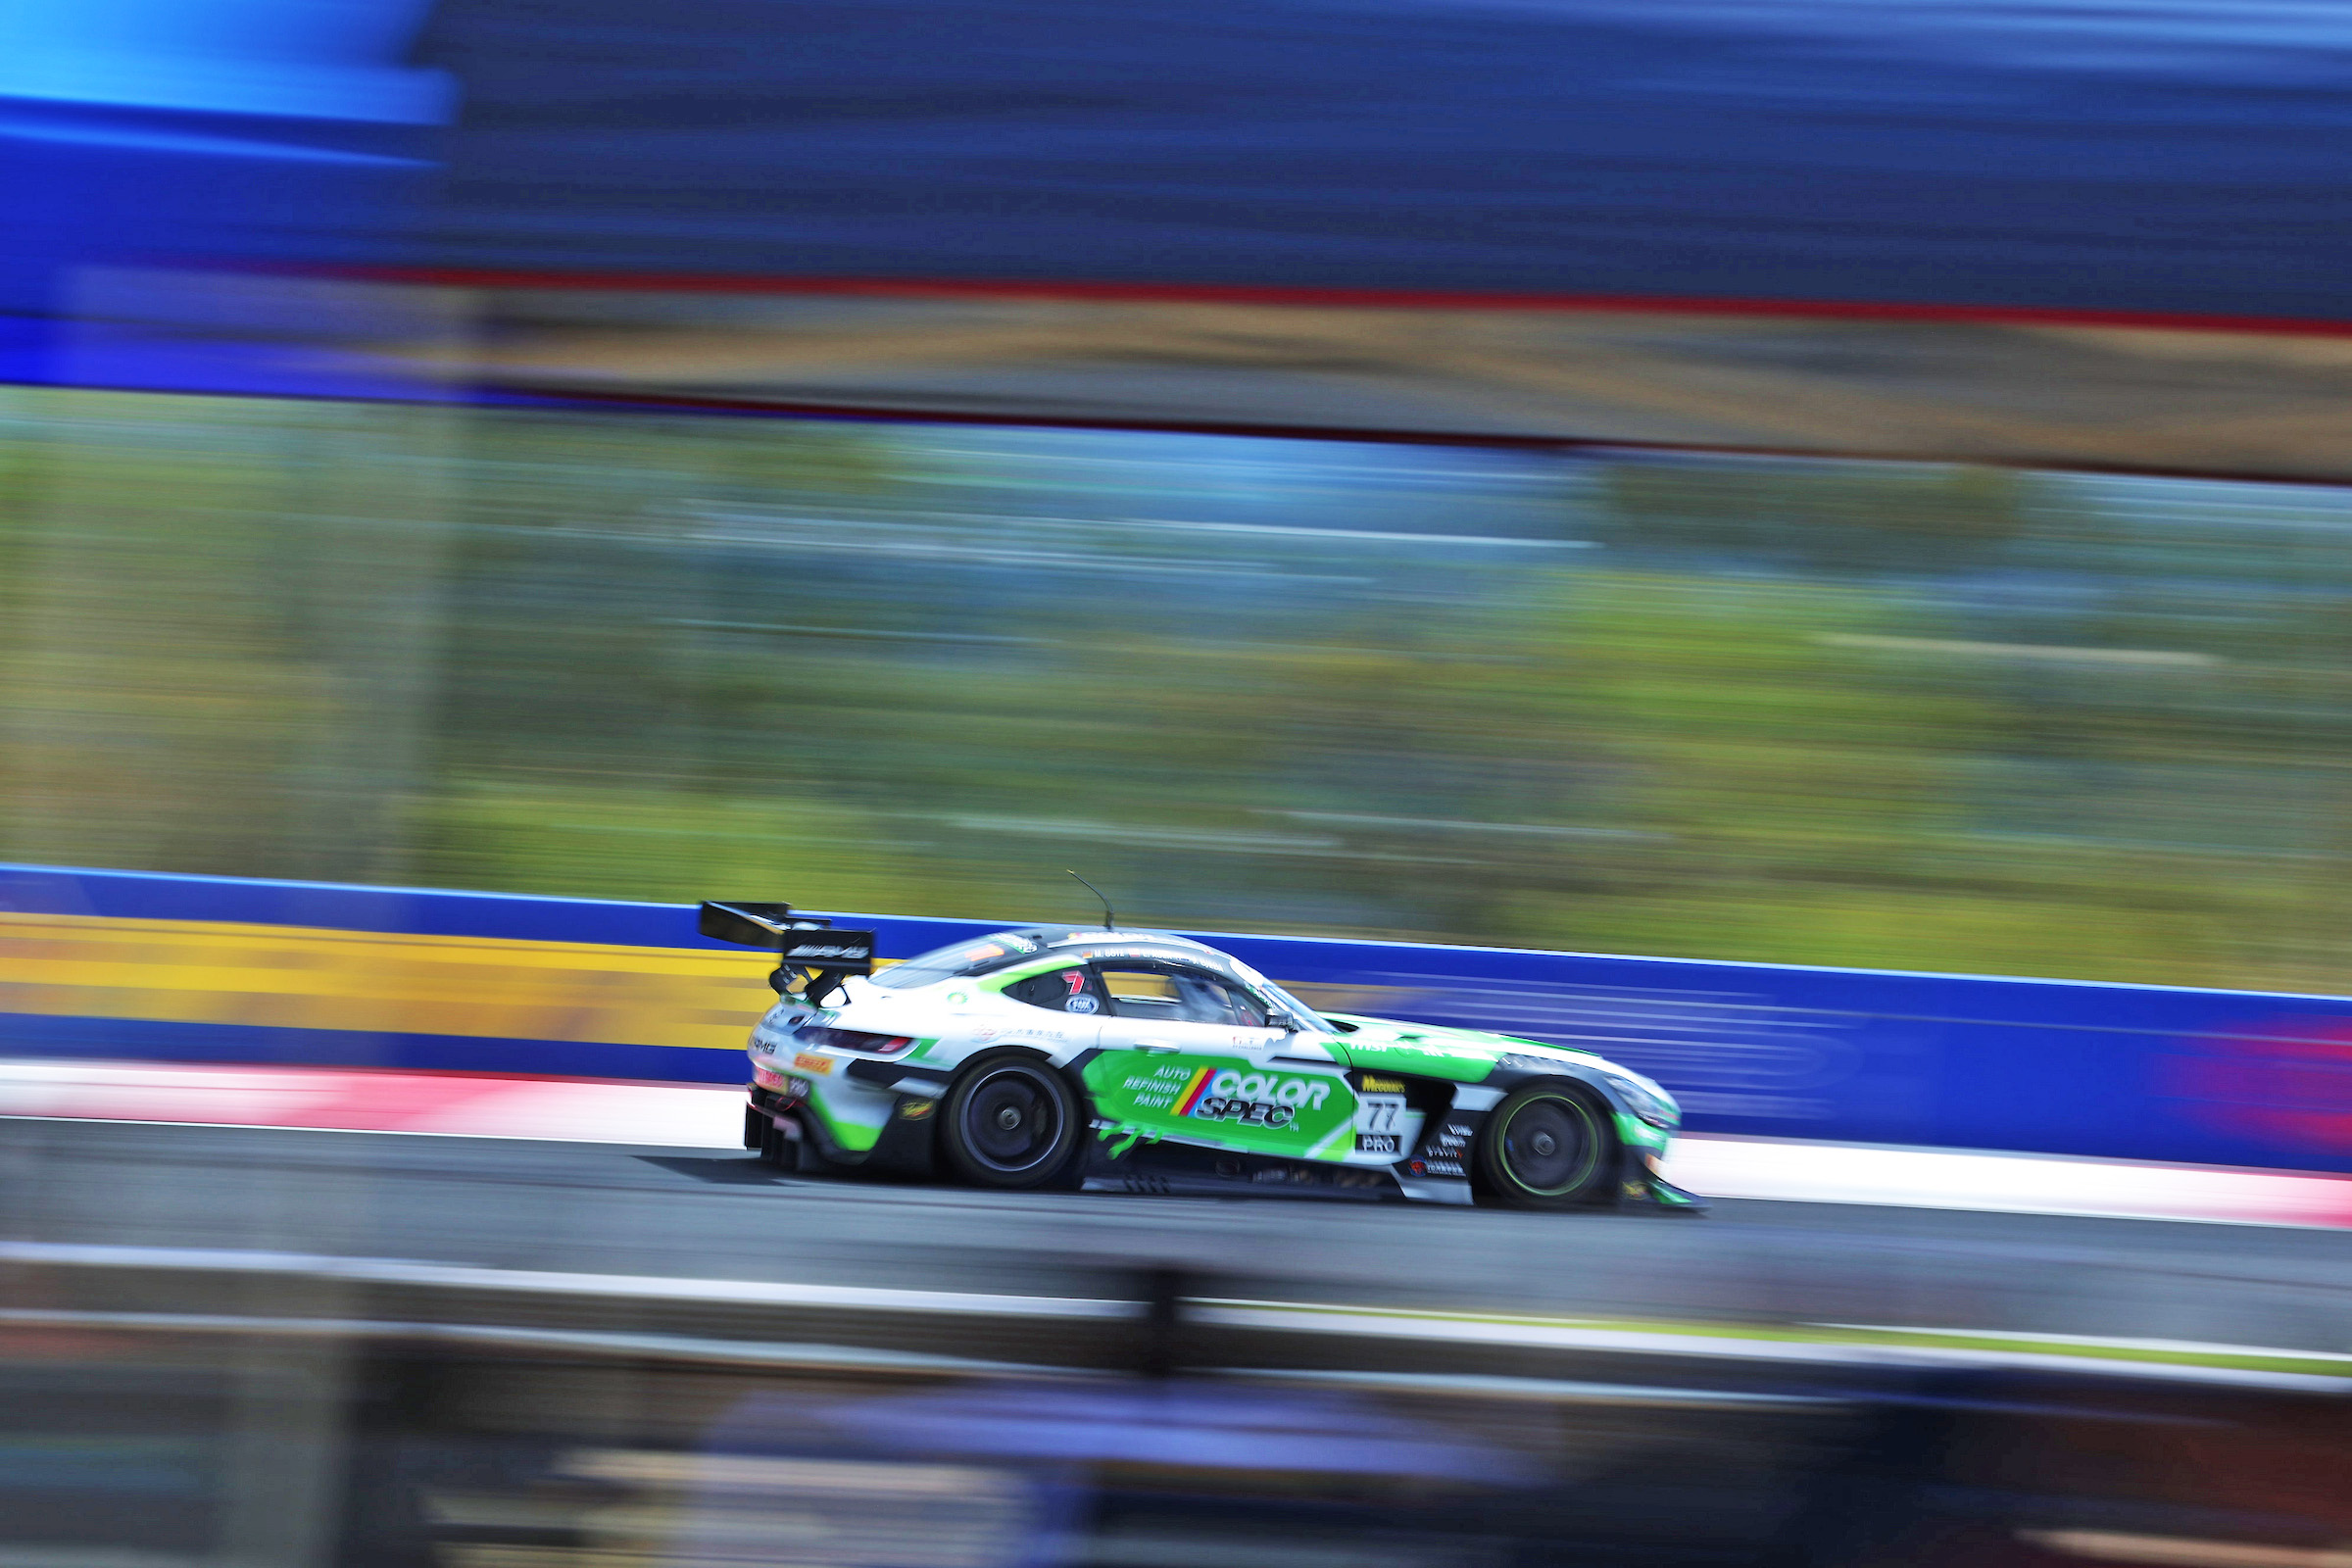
point(1140, 1061)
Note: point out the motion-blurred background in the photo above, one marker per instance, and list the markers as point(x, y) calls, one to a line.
point(1798, 480)
point(1902, 714)
point(454, 445)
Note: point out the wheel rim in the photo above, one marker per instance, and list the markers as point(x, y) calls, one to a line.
point(1548, 1147)
point(1011, 1119)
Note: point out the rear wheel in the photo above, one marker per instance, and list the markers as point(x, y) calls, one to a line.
point(1546, 1147)
point(1011, 1122)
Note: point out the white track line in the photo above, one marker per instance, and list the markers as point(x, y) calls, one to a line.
point(2001, 1183)
point(367, 1099)
point(1744, 1342)
point(542, 1282)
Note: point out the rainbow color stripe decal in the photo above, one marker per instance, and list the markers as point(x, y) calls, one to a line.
point(1194, 1090)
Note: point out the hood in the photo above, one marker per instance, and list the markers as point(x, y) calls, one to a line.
point(1435, 1051)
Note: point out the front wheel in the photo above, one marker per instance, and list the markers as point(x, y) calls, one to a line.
point(1545, 1147)
point(1011, 1122)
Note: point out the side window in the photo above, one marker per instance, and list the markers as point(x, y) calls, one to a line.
point(1172, 994)
point(1141, 991)
point(1070, 990)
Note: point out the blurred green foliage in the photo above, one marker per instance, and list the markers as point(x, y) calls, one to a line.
point(1877, 714)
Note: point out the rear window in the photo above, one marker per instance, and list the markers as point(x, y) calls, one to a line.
point(973, 955)
point(1071, 990)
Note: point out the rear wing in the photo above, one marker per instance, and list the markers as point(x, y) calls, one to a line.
point(806, 946)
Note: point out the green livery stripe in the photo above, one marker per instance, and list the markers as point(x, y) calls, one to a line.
point(1328, 1148)
point(854, 1137)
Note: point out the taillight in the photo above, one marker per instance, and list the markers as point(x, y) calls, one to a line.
point(857, 1040)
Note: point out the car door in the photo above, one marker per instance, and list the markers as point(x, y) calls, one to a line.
point(1187, 1053)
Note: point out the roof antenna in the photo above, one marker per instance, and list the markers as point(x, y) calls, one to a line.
point(1109, 924)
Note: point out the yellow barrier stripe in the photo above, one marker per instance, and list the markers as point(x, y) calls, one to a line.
point(197, 971)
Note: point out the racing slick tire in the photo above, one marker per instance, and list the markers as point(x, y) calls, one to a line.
point(1011, 1122)
point(1547, 1146)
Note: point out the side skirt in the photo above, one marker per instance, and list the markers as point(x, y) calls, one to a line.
point(1185, 1170)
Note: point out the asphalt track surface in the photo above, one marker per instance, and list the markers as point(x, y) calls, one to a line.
point(691, 1214)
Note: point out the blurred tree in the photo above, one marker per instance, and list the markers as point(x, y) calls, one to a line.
point(1887, 715)
point(227, 618)
point(1816, 518)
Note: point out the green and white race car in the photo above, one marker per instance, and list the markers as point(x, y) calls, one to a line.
point(1141, 1061)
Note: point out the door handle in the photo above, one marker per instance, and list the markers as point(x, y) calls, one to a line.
point(1156, 1048)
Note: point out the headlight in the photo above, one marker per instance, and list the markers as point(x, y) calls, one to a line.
point(1646, 1099)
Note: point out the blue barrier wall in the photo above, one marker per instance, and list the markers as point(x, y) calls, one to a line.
point(2143, 1072)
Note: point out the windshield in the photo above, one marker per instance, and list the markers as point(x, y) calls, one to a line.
point(979, 955)
point(1308, 1019)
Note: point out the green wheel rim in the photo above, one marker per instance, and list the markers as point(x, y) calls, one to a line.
point(1549, 1146)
